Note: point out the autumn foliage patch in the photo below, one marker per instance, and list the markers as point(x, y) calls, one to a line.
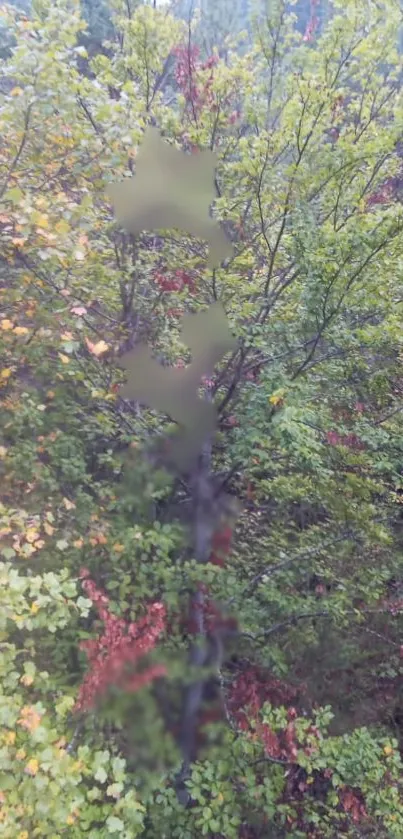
point(112, 655)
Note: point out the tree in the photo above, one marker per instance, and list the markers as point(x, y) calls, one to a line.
point(301, 586)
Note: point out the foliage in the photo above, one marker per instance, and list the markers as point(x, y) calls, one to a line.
point(119, 647)
point(299, 585)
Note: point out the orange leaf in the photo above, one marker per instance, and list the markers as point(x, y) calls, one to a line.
point(98, 348)
point(29, 718)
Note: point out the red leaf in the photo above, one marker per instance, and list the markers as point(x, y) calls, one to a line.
point(120, 645)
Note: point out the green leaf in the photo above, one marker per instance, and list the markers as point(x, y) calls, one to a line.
point(101, 775)
point(62, 544)
point(114, 824)
point(8, 553)
point(15, 195)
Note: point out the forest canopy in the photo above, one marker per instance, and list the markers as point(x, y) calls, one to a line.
point(215, 647)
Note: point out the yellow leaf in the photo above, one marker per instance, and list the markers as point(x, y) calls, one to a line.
point(35, 608)
point(10, 738)
point(77, 766)
point(31, 535)
point(62, 226)
point(118, 548)
point(50, 394)
point(97, 349)
point(69, 505)
point(16, 91)
point(32, 767)
point(6, 324)
point(78, 543)
point(64, 358)
point(20, 330)
point(48, 528)
point(67, 336)
point(277, 397)
point(23, 834)
point(5, 373)
point(26, 679)
point(388, 750)
point(39, 544)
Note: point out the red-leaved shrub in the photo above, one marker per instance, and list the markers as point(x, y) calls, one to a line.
point(122, 644)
